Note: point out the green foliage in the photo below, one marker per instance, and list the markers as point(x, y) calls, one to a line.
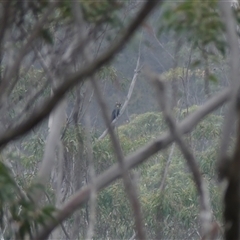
point(26, 158)
point(210, 129)
point(197, 20)
point(73, 137)
point(28, 80)
point(101, 11)
point(17, 207)
point(109, 73)
point(150, 123)
point(138, 132)
point(178, 204)
point(113, 210)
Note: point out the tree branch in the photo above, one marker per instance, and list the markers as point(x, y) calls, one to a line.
point(230, 115)
point(232, 165)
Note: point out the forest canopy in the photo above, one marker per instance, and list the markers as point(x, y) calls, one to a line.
point(119, 119)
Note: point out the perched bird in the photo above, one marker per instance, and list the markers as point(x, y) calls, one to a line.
point(116, 111)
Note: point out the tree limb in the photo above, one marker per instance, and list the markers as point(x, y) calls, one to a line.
point(232, 165)
point(230, 115)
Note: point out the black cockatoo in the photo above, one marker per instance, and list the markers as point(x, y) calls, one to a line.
point(116, 111)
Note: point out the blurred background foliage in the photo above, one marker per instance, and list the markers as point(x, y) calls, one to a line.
point(177, 205)
point(195, 30)
point(172, 212)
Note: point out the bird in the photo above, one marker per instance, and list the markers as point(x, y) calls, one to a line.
point(116, 111)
